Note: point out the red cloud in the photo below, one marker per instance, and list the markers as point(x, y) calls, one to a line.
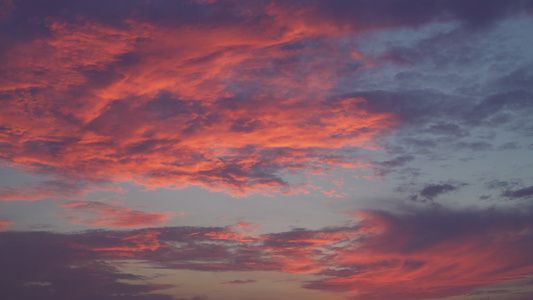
point(4, 225)
point(101, 214)
point(229, 108)
point(432, 255)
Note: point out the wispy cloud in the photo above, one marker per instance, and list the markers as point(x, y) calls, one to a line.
point(103, 98)
point(102, 214)
point(132, 104)
point(4, 225)
point(239, 281)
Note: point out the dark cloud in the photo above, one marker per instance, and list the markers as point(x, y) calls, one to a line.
point(510, 189)
point(518, 79)
point(432, 191)
point(501, 184)
point(509, 146)
point(414, 108)
point(445, 128)
point(520, 193)
point(397, 162)
point(384, 168)
point(39, 265)
point(474, 14)
point(492, 109)
point(475, 146)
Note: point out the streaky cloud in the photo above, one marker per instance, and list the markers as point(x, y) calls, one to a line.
point(412, 255)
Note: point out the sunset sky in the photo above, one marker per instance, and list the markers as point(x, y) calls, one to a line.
point(257, 150)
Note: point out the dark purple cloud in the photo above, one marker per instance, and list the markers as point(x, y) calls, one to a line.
point(519, 193)
point(40, 265)
point(433, 190)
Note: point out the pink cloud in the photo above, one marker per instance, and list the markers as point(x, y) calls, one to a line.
point(431, 255)
point(4, 225)
point(174, 112)
point(43, 190)
point(101, 214)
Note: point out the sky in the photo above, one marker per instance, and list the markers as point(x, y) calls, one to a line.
point(256, 150)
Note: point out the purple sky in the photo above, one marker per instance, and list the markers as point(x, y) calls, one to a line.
point(255, 150)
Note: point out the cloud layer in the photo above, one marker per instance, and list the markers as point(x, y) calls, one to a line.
point(418, 103)
point(227, 107)
point(415, 255)
point(228, 95)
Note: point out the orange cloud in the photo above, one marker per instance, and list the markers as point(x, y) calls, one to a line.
point(101, 214)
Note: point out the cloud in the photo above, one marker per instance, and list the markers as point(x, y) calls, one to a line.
point(48, 189)
point(103, 99)
point(40, 265)
point(520, 193)
point(417, 254)
point(431, 191)
point(211, 93)
point(362, 16)
point(511, 189)
point(102, 214)
point(4, 225)
point(475, 146)
point(193, 298)
point(432, 254)
point(239, 281)
point(397, 162)
point(502, 184)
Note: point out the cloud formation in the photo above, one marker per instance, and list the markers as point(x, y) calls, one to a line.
point(97, 100)
point(53, 270)
point(416, 255)
point(4, 225)
point(520, 193)
point(229, 95)
point(102, 214)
